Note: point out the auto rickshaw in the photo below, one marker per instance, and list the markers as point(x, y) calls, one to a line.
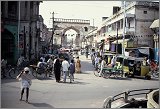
point(132, 66)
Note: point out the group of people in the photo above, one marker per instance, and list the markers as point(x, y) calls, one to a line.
point(55, 64)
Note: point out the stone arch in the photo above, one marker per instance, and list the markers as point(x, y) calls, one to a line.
point(71, 27)
point(77, 36)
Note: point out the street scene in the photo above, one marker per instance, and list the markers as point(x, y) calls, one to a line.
point(81, 56)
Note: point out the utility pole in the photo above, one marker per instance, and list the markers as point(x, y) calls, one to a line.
point(117, 40)
point(124, 25)
point(52, 31)
point(124, 29)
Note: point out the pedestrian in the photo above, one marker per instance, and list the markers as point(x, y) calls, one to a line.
point(72, 70)
point(113, 62)
point(41, 66)
point(57, 70)
point(21, 59)
point(25, 78)
point(144, 62)
point(96, 61)
point(50, 65)
point(65, 67)
point(3, 67)
point(103, 63)
point(78, 65)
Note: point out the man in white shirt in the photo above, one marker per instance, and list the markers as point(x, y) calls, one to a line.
point(103, 63)
point(65, 67)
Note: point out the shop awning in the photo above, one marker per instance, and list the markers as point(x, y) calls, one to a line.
point(120, 41)
point(155, 24)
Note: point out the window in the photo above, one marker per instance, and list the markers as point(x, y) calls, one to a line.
point(129, 24)
point(145, 12)
point(85, 28)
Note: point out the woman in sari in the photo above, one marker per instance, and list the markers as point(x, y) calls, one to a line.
point(78, 65)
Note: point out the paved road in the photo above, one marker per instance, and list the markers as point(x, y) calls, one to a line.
point(87, 91)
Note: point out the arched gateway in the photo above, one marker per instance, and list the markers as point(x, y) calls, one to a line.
point(62, 25)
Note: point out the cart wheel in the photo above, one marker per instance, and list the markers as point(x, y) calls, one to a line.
point(106, 74)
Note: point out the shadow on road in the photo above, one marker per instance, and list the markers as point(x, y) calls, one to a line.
point(153, 79)
point(46, 78)
point(119, 78)
point(8, 80)
point(41, 105)
point(75, 82)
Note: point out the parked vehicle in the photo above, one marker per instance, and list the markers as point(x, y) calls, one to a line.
point(132, 66)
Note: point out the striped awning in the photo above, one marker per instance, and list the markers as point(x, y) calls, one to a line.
point(155, 24)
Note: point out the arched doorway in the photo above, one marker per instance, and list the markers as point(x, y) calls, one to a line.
point(74, 36)
point(7, 46)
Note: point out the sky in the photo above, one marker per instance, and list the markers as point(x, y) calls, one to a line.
point(87, 10)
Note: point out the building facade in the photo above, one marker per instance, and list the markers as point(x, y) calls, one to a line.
point(21, 32)
point(139, 15)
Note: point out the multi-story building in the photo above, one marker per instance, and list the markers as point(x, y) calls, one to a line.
point(20, 33)
point(138, 16)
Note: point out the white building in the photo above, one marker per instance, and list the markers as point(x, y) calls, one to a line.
point(139, 17)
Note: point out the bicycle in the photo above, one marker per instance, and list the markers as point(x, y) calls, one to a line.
point(10, 71)
point(40, 73)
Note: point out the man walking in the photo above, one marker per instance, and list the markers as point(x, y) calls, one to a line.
point(72, 70)
point(65, 67)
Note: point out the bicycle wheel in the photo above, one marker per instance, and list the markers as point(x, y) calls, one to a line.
point(119, 73)
point(13, 73)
